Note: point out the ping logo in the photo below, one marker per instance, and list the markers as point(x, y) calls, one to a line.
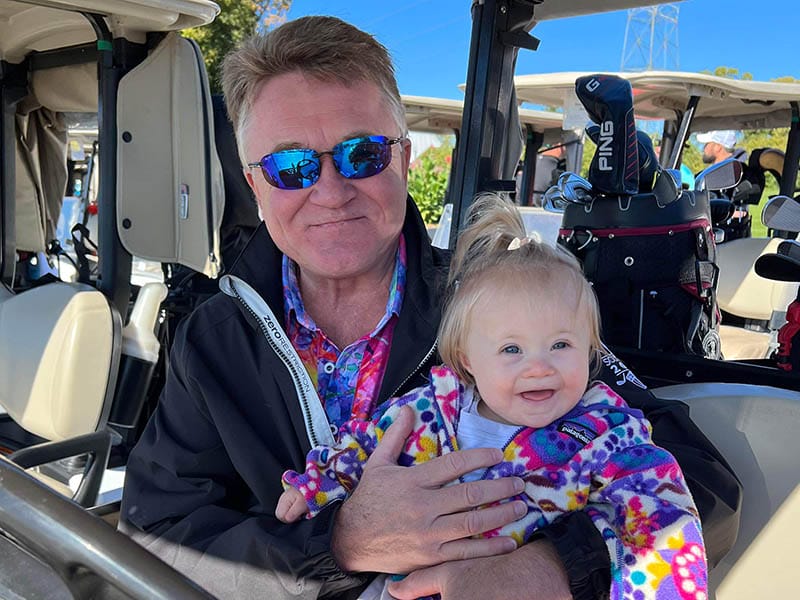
point(592, 84)
point(604, 150)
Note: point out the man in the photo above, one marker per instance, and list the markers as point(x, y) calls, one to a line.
point(339, 292)
point(720, 145)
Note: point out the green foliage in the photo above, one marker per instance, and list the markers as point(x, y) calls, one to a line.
point(730, 73)
point(786, 79)
point(692, 157)
point(589, 148)
point(237, 20)
point(427, 181)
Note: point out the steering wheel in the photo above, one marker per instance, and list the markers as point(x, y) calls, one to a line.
point(78, 545)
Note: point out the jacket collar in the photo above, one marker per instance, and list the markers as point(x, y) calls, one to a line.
point(260, 265)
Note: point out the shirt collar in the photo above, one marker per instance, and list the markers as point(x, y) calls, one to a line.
point(293, 302)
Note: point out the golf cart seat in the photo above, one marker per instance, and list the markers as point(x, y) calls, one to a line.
point(170, 194)
point(742, 293)
point(754, 427)
point(59, 354)
point(761, 161)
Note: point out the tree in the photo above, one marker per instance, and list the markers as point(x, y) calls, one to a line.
point(786, 79)
point(729, 72)
point(427, 181)
point(237, 20)
point(271, 13)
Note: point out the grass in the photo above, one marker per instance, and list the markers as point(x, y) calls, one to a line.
point(770, 189)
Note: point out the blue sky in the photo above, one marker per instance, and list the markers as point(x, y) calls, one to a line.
point(429, 39)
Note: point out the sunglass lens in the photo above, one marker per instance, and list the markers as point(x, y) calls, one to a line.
point(363, 157)
point(291, 169)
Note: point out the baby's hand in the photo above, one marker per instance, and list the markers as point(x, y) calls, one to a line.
point(291, 506)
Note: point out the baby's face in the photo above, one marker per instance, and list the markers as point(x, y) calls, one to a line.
point(530, 362)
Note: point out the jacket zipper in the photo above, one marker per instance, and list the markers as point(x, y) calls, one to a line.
point(415, 371)
point(503, 448)
point(288, 363)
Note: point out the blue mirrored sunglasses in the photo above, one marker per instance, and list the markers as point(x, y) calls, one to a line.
point(299, 168)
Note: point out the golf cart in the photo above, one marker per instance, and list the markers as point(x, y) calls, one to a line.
point(737, 417)
point(753, 308)
point(159, 198)
point(541, 129)
point(77, 358)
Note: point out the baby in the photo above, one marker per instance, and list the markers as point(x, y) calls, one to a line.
point(519, 337)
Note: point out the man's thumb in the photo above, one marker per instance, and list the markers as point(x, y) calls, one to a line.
point(415, 585)
point(394, 439)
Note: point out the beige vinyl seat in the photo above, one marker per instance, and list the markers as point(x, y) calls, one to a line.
point(743, 293)
point(60, 344)
point(755, 429)
point(59, 356)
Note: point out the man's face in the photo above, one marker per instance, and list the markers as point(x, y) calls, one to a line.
point(710, 153)
point(337, 228)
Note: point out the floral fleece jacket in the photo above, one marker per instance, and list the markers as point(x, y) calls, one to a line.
point(599, 457)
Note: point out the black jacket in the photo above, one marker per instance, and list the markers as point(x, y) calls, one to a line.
point(203, 481)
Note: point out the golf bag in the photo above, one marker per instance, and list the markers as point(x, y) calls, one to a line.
point(645, 244)
point(788, 357)
point(784, 265)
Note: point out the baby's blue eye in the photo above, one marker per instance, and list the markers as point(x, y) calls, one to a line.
point(560, 345)
point(512, 349)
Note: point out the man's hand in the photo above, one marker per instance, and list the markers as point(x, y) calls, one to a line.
point(291, 506)
point(533, 571)
point(400, 519)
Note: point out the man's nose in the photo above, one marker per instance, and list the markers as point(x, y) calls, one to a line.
point(332, 189)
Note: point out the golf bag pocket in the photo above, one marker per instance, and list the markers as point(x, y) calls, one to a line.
point(655, 281)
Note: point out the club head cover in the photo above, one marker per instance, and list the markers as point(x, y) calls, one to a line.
point(783, 265)
point(648, 161)
point(608, 100)
point(721, 210)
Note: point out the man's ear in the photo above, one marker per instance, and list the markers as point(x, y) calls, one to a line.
point(248, 175)
point(406, 144)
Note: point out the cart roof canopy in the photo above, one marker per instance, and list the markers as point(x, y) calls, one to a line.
point(41, 25)
point(724, 103)
point(442, 115)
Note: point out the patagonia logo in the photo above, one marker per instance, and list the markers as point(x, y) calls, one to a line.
point(577, 431)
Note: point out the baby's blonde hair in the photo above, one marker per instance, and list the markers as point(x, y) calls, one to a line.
point(482, 262)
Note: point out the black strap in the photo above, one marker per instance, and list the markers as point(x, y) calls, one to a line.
point(584, 554)
point(84, 246)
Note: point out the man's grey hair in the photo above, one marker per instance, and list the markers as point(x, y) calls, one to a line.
point(325, 48)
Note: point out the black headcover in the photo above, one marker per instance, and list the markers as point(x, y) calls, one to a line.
point(784, 265)
point(609, 101)
point(648, 161)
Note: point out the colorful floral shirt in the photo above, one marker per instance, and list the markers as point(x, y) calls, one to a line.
point(599, 457)
point(348, 381)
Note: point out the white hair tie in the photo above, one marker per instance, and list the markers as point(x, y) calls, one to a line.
point(517, 243)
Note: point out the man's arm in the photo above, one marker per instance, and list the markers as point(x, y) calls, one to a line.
point(185, 501)
point(715, 488)
point(532, 571)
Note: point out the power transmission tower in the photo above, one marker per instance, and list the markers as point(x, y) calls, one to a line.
point(651, 39)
